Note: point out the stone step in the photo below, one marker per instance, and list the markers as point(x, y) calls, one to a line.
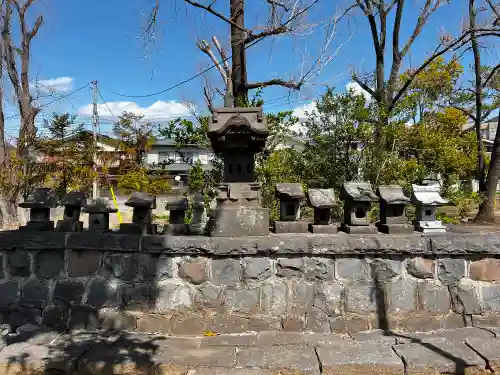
point(463, 351)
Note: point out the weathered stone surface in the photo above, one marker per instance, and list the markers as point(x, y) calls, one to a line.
point(488, 349)
point(256, 268)
point(465, 298)
point(466, 243)
point(300, 360)
point(176, 244)
point(69, 291)
point(485, 270)
point(194, 270)
point(172, 295)
point(402, 296)
point(451, 270)
point(227, 324)
point(116, 320)
point(154, 323)
point(56, 315)
point(34, 293)
point(219, 356)
point(375, 336)
point(421, 268)
point(259, 323)
point(137, 296)
point(439, 357)
point(153, 267)
point(362, 298)
point(301, 297)
point(9, 292)
point(208, 296)
point(84, 318)
point(102, 293)
point(328, 298)
point(289, 267)
point(318, 269)
point(18, 263)
point(317, 321)
point(433, 297)
point(285, 227)
point(352, 269)
point(274, 297)
point(1, 268)
point(359, 359)
point(242, 300)
point(49, 264)
point(385, 269)
point(108, 241)
point(491, 298)
point(121, 266)
point(230, 340)
point(187, 325)
point(32, 240)
point(349, 324)
point(293, 323)
point(226, 271)
point(83, 263)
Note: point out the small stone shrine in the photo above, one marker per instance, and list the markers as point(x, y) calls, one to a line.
point(73, 203)
point(177, 212)
point(427, 199)
point(393, 203)
point(357, 197)
point(289, 195)
point(322, 200)
point(99, 210)
point(238, 134)
point(200, 219)
point(39, 202)
point(143, 205)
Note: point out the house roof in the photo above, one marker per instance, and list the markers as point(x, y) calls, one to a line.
point(484, 124)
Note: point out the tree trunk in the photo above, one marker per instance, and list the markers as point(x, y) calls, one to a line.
point(486, 212)
point(9, 213)
point(239, 69)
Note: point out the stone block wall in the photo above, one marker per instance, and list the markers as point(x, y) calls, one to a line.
point(319, 283)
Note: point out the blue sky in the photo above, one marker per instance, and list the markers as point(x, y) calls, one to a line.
point(82, 41)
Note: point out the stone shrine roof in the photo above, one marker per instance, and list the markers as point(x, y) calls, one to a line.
point(251, 120)
point(141, 200)
point(75, 198)
point(358, 191)
point(427, 195)
point(322, 198)
point(40, 198)
point(178, 204)
point(99, 206)
point(289, 191)
point(392, 194)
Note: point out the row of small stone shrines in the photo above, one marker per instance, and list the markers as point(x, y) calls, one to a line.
point(357, 196)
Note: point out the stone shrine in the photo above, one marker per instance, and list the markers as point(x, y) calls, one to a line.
point(393, 203)
point(177, 214)
point(427, 199)
point(39, 202)
point(73, 203)
point(238, 134)
point(200, 219)
point(143, 205)
point(357, 197)
point(289, 195)
point(322, 200)
point(99, 210)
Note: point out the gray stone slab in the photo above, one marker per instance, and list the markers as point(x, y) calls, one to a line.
point(204, 356)
point(272, 338)
point(488, 349)
point(302, 360)
point(230, 340)
point(359, 359)
point(374, 336)
point(452, 357)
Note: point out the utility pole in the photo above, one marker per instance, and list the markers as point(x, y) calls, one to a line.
point(95, 129)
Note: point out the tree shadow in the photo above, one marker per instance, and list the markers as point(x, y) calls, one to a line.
point(380, 292)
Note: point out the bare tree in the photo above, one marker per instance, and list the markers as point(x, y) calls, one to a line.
point(19, 76)
point(284, 17)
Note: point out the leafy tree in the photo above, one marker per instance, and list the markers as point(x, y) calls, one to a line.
point(141, 179)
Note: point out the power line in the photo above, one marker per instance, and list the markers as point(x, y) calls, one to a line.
point(105, 103)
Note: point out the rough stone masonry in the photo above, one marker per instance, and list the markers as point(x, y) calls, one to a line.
point(303, 282)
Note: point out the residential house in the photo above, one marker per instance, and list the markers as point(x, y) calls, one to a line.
point(488, 131)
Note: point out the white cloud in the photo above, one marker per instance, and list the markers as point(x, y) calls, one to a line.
point(54, 85)
point(302, 111)
point(357, 89)
point(158, 111)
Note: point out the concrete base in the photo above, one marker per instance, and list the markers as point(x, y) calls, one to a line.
point(430, 227)
point(175, 229)
point(366, 229)
point(241, 221)
point(290, 227)
point(142, 229)
point(69, 226)
point(395, 228)
point(323, 229)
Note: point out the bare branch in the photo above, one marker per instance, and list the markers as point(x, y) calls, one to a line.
point(491, 75)
point(223, 55)
point(364, 86)
point(275, 82)
point(278, 4)
point(209, 9)
point(204, 46)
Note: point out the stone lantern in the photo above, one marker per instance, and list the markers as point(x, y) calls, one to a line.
point(393, 204)
point(427, 199)
point(289, 195)
point(143, 205)
point(200, 219)
point(322, 200)
point(39, 202)
point(238, 134)
point(73, 203)
point(176, 223)
point(357, 197)
point(99, 210)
